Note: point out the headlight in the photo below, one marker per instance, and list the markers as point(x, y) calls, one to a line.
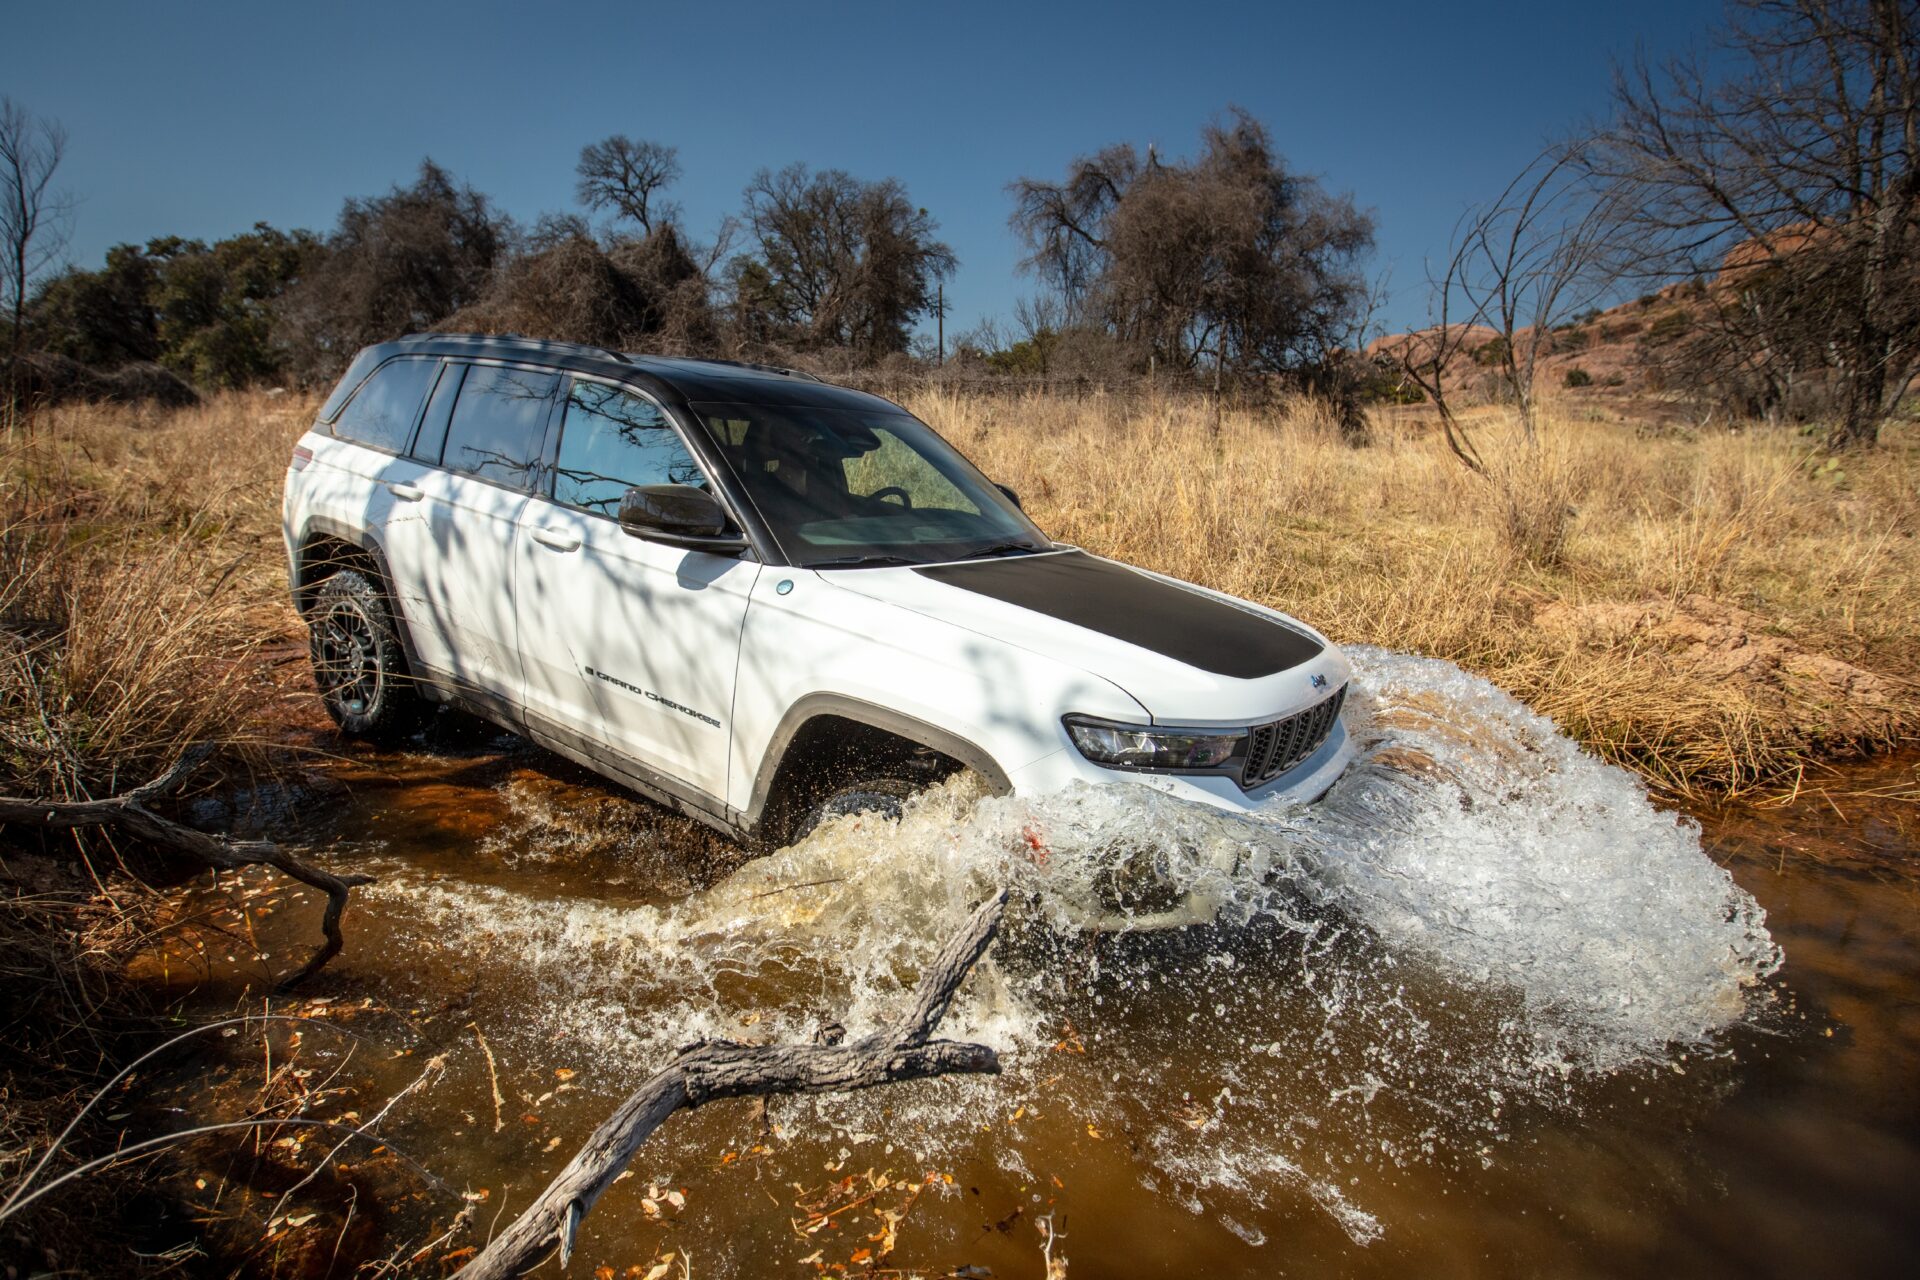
point(1132, 746)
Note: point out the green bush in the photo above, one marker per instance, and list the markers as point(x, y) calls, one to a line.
point(1488, 354)
point(1578, 377)
point(1668, 327)
point(1387, 386)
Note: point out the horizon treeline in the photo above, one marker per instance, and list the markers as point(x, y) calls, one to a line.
point(1229, 259)
point(1777, 181)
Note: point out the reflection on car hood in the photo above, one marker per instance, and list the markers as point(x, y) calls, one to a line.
point(1181, 652)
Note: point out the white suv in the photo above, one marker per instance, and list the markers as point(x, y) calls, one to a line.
point(758, 598)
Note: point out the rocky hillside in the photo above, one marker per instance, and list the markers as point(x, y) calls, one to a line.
point(1608, 354)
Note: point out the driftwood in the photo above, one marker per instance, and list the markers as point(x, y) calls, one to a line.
point(723, 1069)
point(129, 812)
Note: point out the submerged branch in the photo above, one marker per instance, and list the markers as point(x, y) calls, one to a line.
point(722, 1069)
point(130, 813)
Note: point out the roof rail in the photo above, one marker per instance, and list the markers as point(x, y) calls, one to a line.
point(522, 338)
point(766, 368)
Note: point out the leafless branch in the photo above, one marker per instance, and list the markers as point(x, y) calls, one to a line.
point(129, 812)
point(721, 1069)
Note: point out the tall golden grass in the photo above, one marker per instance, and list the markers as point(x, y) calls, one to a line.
point(1717, 611)
point(139, 565)
point(1589, 573)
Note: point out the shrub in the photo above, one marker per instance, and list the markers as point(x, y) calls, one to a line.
point(1668, 327)
point(1380, 382)
point(1578, 377)
point(46, 380)
point(1490, 353)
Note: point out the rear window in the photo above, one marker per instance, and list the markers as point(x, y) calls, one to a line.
point(499, 423)
point(384, 409)
point(356, 372)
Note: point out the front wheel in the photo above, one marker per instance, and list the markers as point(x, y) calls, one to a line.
point(884, 797)
point(358, 664)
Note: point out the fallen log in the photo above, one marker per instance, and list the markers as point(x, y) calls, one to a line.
point(129, 812)
point(714, 1069)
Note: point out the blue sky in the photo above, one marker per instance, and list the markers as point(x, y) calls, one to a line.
point(200, 119)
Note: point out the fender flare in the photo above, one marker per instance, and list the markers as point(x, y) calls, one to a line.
point(325, 526)
point(815, 705)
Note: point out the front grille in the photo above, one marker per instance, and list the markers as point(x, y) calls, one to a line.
point(1274, 748)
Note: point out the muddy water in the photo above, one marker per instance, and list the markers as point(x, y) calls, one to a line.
point(1484, 1010)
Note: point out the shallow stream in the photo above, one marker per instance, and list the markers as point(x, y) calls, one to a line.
point(1486, 1009)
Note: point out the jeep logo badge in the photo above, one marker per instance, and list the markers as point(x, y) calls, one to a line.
point(1319, 681)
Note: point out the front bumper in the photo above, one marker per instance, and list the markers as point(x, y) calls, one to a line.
point(1304, 784)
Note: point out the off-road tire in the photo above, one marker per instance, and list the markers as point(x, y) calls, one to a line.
point(883, 797)
point(359, 665)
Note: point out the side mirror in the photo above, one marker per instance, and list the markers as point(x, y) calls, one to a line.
point(1012, 497)
point(678, 515)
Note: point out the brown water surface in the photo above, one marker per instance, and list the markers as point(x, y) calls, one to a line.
point(1352, 1074)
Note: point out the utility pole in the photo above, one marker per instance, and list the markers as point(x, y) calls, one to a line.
point(940, 321)
point(1219, 364)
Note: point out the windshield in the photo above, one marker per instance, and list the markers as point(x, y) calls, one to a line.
point(856, 486)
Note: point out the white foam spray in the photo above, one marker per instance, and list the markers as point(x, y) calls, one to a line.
point(1478, 918)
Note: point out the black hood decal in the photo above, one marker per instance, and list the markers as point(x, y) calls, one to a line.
point(1141, 610)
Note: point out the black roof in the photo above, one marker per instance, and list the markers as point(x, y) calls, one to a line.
point(726, 381)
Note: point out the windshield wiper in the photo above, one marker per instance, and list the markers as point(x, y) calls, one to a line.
point(848, 562)
point(1004, 549)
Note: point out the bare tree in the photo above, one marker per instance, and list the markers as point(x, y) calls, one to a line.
point(1519, 266)
point(1532, 259)
point(625, 177)
point(1427, 357)
point(34, 218)
point(1064, 223)
point(1038, 321)
point(1782, 172)
point(834, 261)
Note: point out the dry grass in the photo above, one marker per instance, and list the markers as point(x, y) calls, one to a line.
point(140, 572)
point(1693, 608)
point(1682, 605)
point(1716, 613)
point(139, 561)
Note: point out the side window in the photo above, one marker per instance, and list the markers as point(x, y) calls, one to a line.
point(499, 423)
point(611, 441)
point(433, 427)
point(382, 412)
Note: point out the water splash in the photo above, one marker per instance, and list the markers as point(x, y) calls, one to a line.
point(1475, 835)
point(1477, 920)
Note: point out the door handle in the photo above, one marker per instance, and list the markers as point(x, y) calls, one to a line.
point(558, 539)
point(405, 492)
